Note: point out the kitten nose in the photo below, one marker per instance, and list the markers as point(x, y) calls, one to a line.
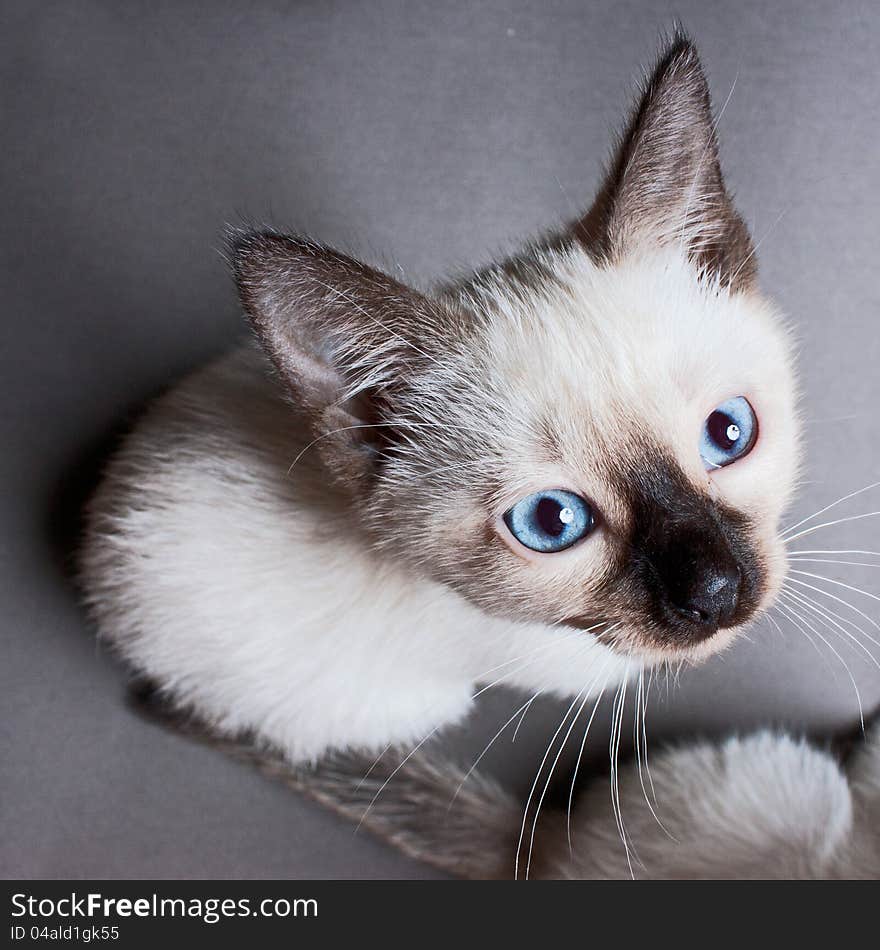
point(707, 596)
point(699, 579)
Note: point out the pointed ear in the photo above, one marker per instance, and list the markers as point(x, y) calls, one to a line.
point(665, 184)
point(340, 334)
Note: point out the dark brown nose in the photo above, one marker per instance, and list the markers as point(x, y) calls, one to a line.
point(693, 559)
point(699, 582)
point(707, 597)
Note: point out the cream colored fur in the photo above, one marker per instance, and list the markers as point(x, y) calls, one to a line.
point(209, 570)
point(311, 547)
point(240, 584)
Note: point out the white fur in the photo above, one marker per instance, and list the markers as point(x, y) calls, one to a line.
point(209, 572)
point(240, 584)
point(644, 346)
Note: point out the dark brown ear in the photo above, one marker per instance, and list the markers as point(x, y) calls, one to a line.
point(342, 335)
point(665, 184)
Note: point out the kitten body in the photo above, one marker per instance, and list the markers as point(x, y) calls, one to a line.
point(313, 544)
point(243, 588)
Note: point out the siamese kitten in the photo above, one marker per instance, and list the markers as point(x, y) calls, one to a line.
point(562, 470)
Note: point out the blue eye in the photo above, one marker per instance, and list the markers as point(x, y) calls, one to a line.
point(550, 520)
point(729, 433)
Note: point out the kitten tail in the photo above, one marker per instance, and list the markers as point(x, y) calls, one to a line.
point(431, 811)
point(424, 810)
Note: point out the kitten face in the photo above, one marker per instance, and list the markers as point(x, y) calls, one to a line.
point(544, 438)
point(599, 381)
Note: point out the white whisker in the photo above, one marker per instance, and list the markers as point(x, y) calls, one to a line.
point(614, 752)
point(640, 737)
point(831, 621)
point(400, 765)
point(584, 692)
point(828, 580)
point(787, 616)
point(421, 742)
point(522, 832)
point(834, 597)
point(522, 719)
point(826, 560)
point(829, 524)
point(843, 663)
point(549, 779)
point(645, 734)
point(833, 504)
point(530, 653)
point(580, 755)
point(490, 743)
point(772, 620)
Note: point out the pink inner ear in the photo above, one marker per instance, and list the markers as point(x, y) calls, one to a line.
point(316, 382)
point(347, 447)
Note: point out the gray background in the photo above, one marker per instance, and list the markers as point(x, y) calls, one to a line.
point(424, 133)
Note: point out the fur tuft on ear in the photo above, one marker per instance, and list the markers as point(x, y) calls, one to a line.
point(341, 335)
point(665, 185)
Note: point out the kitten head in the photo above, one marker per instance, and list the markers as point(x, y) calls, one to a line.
point(598, 433)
